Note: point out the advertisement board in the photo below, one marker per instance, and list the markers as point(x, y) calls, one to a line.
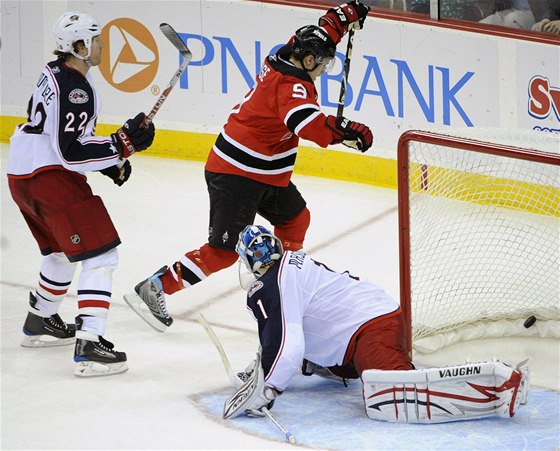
point(403, 75)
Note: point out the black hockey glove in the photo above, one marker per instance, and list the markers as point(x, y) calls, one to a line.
point(340, 17)
point(119, 175)
point(133, 137)
point(350, 133)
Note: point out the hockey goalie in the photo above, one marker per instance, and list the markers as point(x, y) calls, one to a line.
point(342, 327)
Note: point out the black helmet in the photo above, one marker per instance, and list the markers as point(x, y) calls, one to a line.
point(313, 40)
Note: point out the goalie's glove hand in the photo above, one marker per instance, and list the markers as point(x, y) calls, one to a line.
point(134, 136)
point(350, 133)
point(119, 173)
point(348, 14)
point(265, 399)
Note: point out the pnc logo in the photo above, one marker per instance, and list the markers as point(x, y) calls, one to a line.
point(130, 57)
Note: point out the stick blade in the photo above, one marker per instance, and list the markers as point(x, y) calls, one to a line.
point(175, 39)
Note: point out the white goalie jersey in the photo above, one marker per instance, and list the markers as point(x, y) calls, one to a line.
point(307, 311)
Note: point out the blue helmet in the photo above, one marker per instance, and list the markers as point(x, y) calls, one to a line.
point(258, 248)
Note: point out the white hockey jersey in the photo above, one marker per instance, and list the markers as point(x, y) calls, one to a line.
point(306, 310)
point(62, 115)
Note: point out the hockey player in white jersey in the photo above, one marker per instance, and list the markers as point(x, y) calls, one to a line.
point(340, 326)
point(49, 155)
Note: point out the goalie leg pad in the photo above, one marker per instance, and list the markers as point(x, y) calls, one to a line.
point(436, 395)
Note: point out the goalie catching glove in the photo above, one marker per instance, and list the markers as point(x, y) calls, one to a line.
point(134, 136)
point(252, 395)
point(351, 134)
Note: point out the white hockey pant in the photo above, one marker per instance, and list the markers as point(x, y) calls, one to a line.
point(436, 395)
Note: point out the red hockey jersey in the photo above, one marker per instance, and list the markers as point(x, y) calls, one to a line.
point(260, 139)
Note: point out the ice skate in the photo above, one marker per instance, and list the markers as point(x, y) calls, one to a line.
point(148, 302)
point(95, 356)
point(46, 331)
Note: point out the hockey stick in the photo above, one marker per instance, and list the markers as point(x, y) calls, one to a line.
point(174, 38)
point(344, 82)
point(235, 381)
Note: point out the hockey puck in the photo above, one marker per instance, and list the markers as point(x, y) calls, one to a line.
point(529, 322)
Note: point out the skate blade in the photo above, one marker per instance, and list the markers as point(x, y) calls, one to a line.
point(45, 341)
point(136, 303)
point(96, 369)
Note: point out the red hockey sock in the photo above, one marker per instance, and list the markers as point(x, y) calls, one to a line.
point(195, 266)
point(292, 232)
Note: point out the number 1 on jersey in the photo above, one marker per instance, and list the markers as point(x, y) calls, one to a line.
point(260, 304)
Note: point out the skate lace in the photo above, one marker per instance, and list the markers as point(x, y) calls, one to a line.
point(161, 305)
point(57, 322)
point(105, 344)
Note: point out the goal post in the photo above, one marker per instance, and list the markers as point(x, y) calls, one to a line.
point(479, 235)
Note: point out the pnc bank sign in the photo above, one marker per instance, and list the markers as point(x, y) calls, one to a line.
point(130, 56)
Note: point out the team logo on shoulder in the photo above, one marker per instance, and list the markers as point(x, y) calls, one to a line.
point(78, 96)
point(75, 238)
point(254, 288)
point(55, 70)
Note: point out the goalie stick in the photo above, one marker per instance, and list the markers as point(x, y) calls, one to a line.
point(174, 38)
point(236, 382)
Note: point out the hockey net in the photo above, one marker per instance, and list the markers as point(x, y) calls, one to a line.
point(479, 237)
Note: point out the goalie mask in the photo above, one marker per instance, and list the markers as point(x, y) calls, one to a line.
point(72, 27)
point(313, 40)
point(258, 249)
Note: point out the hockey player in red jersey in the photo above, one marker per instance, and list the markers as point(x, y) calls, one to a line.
point(250, 166)
point(49, 155)
point(343, 327)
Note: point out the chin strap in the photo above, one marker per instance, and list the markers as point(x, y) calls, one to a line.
point(83, 58)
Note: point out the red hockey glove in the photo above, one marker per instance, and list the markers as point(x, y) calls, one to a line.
point(350, 133)
point(119, 175)
point(340, 17)
point(133, 137)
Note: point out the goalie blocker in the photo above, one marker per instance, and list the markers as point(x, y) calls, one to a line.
point(435, 395)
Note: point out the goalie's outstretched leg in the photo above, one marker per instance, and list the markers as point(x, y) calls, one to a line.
point(436, 395)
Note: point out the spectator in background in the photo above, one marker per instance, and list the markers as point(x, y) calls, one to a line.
point(516, 13)
point(550, 23)
point(450, 9)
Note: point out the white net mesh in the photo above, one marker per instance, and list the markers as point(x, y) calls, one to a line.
point(484, 240)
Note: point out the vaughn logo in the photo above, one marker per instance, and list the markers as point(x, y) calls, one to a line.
point(461, 371)
point(130, 59)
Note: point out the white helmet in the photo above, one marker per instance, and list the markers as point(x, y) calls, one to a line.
point(75, 26)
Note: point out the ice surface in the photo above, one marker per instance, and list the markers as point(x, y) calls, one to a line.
point(172, 396)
